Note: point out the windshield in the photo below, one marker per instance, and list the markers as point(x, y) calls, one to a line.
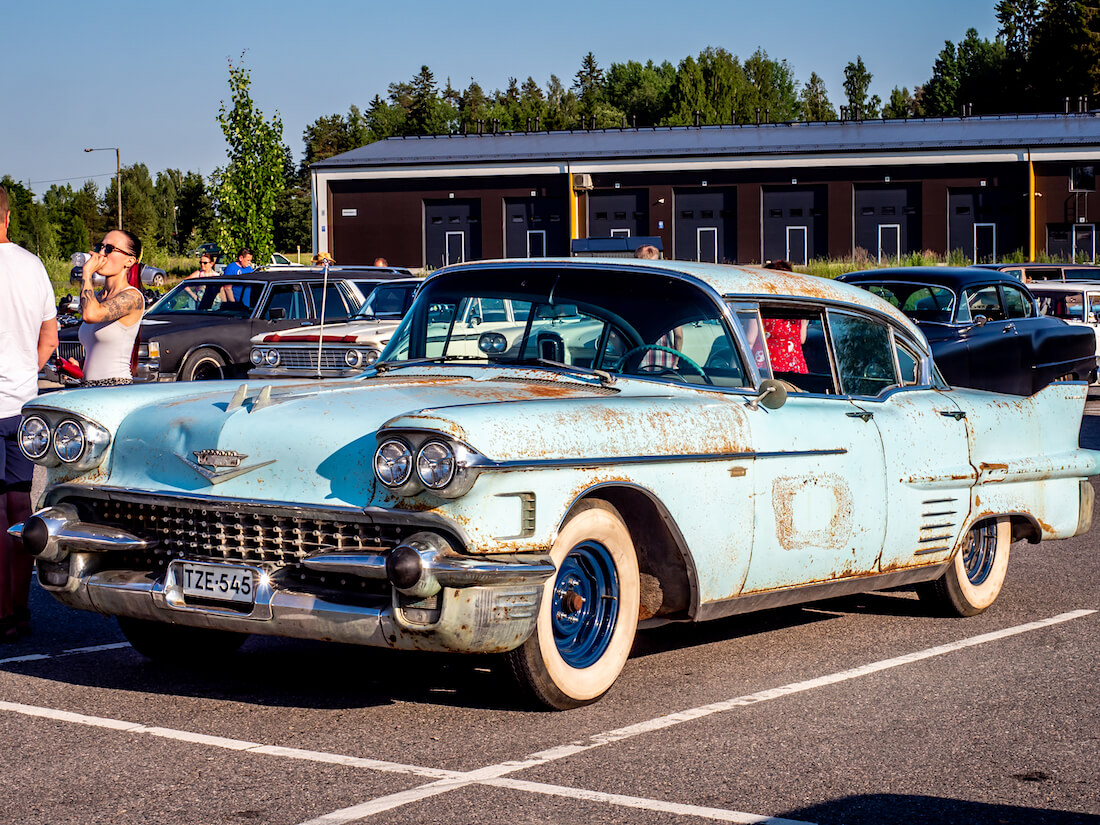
point(389, 302)
point(1068, 305)
point(636, 323)
point(921, 302)
point(210, 296)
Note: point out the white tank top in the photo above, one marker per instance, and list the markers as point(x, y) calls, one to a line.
point(107, 348)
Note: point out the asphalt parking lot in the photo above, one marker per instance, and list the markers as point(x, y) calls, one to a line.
point(856, 710)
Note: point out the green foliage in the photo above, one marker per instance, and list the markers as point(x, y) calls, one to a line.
point(769, 87)
point(249, 185)
point(640, 92)
point(900, 105)
point(815, 100)
point(857, 84)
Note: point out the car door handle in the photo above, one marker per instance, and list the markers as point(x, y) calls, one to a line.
point(956, 414)
point(1009, 328)
point(862, 415)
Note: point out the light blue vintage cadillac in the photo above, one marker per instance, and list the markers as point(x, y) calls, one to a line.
point(547, 453)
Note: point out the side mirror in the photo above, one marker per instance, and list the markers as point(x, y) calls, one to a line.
point(276, 314)
point(475, 321)
point(772, 395)
point(980, 320)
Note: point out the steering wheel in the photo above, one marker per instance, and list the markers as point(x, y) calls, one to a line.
point(643, 348)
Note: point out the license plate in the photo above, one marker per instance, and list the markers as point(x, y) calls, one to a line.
point(218, 581)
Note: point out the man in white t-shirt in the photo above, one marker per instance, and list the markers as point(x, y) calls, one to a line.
point(28, 336)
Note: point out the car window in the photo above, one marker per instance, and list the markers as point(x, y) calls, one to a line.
point(1017, 304)
point(748, 316)
point(864, 354)
point(1018, 274)
point(387, 302)
point(984, 300)
point(1079, 273)
point(921, 302)
point(290, 299)
point(1066, 305)
point(1043, 274)
point(908, 363)
point(209, 296)
point(335, 304)
point(797, 350)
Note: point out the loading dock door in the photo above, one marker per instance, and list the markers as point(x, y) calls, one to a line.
point(889, 242)
point(536, 227)
point(452, 231)
point(794, 223)
point(618, 214)
point(705, 224)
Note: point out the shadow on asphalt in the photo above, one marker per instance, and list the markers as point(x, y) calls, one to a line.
point(875, 809)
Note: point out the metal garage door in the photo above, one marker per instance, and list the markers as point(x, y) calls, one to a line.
point(536, 228)
point(618, 214)
point(887, 220)
point(706, 225)
point(452, 231)
point(794, 223)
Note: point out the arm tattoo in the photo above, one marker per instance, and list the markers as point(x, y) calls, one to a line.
point(121, 305)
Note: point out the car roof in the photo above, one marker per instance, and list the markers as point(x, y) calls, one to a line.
point(728, 280)
point(285, 273)
point(949, 276)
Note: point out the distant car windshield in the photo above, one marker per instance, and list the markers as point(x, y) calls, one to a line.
point(921, 302)
point(1066, 304)
point(388, 301)
point(629, 322)
point(210, 296)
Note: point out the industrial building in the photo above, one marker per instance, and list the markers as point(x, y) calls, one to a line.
point(987, 186)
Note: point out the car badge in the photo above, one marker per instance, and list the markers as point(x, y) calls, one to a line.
point(217, 466)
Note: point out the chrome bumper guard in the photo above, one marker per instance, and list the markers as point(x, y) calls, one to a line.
point(457, 603)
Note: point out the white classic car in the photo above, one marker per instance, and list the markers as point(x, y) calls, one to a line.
point(1076, 302)
point(635, 442)
point(335, 349)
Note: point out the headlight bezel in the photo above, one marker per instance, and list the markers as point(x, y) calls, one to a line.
point(466, 463)
point(272, 358)
point(256, 356)
point(426, 466)
point(409, 458)
point(95, 439)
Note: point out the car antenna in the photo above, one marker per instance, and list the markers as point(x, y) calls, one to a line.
point(324, 297)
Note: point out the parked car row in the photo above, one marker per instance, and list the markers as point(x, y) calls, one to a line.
point(548, 454)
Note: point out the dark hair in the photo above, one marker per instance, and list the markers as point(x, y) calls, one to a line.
point(244, 250)
point(133, 241)
point(782, 265)
point(4, 204)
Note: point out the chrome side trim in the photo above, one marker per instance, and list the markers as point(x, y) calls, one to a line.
point(817, 592)
point(450, 571)
point(604, 461)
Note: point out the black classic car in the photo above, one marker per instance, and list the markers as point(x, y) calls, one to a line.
point(984, 327)
point(1029, 272)
point(201, 329)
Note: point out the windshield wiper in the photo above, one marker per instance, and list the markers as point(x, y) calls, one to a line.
point(606, 378)
point(383, 366)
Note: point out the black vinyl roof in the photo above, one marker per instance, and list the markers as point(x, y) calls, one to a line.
point(949, 276)
point(1000, 132)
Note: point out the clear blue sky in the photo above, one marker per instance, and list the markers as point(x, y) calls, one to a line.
point(148, 76)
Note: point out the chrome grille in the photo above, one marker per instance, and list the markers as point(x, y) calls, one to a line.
point(306, 358)
point(71, 349)
point(238, 534)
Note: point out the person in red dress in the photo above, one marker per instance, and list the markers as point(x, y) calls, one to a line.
point(785, 338)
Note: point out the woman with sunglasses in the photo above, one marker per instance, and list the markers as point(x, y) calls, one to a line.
point(112, 319)
point(206, 267)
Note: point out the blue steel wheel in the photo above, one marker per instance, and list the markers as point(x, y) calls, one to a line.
point(588, 614)
point(977, 572)
point(585, 604)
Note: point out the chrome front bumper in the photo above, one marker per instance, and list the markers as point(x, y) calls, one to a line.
point(456, 603)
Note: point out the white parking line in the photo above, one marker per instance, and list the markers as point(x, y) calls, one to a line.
point(39, 657)
point(496, 775)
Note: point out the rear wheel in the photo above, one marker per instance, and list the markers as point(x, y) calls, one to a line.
point(974, 579)
point(203, 365)
point(165, 642)
point(158, 280)
point(588, 615)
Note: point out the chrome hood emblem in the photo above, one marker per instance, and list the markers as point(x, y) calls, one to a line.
point(220, 465)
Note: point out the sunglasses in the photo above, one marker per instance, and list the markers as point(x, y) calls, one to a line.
point(108, 248)
point(205, 261)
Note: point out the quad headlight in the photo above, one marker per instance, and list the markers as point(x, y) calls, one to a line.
point(256, 356)
point(34, 437)
point(50, 437)
point(69, 441)
point(435, 464)
point(271, 357)
point(409, 463)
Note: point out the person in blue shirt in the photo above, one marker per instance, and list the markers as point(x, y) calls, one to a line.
point(242, 265)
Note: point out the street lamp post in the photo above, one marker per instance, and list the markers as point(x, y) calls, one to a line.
point(118, 176)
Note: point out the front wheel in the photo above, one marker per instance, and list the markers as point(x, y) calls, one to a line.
point(163, 642)
point(974, 579)
point(203, 364)
point(588, 615)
